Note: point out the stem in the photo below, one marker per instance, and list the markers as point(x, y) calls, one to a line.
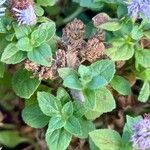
point(73, 15)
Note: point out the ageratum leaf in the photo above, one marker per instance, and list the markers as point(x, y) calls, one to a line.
point(145, 92)
point(41, 55)
point(33, 116)
point(73, 126)
point(12, 55)
point(58, 139)
point(48, 103)
point(121, 85)
point(23, 84)
point(123, 52)
point(106, 139)
point(103, 68)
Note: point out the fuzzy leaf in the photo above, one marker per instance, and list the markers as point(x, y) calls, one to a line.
point(111, 26)
point(12, 55)
point(121, 85)
point(72, 82)
point(48, 103)
point(33, 116)
point(142, 57)
point(103, 68)
point(23, 85)
point(41, 55)
point(58, 139)
point(24, 44)
point(123, 52)
point(73, 126)
point(56, 122)
point(145, 92)
point(106, 139)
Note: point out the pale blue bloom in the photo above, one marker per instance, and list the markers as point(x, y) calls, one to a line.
point(25, 16)
point(137, 8)
point(141, 134)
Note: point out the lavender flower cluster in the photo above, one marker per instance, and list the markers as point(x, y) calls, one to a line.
point(137, 8)
point(24, 14)
point(141, 136)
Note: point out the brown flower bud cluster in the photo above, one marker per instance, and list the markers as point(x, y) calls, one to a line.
point(77, 47)
point(43, 72)
point(73, 50)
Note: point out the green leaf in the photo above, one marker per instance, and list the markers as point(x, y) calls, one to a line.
point(41, 55)
point(23, 85)
point(92, 115)
point(38, 37)
point(123, 52)
point(97, 82)
point(50, 29)
point(63, 96)
point(2, 27)
point(65, 72)
point(12, 55)
point(33, 116)
point(11, 138)
point(2, 69)
point(121, 85)
point(106, 139)
point(90, 98)
point(58, 139)
point(24, 44)
point(72, 82)
point(78, 109)
point(48, 103)
point(145, 92)
point(73, 126)
point(46, 2)
point(142, 57)
point(103, 68)
point(83, 71)
point(105, 101)
point(127, 130)
point(39, 10)
point(56, 122)
point(111, 26)
point(21, 31)
point(86, 127)
point(44, 33)
point(144, 75)
point(67, 109)
point(136, 33)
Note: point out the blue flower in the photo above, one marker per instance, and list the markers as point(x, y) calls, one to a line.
point(2, 9)
point(137, 8)
point(141, 134)
point(25, 16)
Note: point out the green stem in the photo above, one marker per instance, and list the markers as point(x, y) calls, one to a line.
point(73, 15)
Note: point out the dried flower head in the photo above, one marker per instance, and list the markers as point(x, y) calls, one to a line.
point(141, 134)
point(39, 71)
point(136, 8)
point(74, 30)
point(23, 11)
point(45, 73)
point(100, 19)
point(95, 48)
point(2, 9)
point(120, 64)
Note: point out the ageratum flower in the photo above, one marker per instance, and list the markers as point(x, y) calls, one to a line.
point(23, 11)
point(137, 8)
point(2, 9)
point(141, 134)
